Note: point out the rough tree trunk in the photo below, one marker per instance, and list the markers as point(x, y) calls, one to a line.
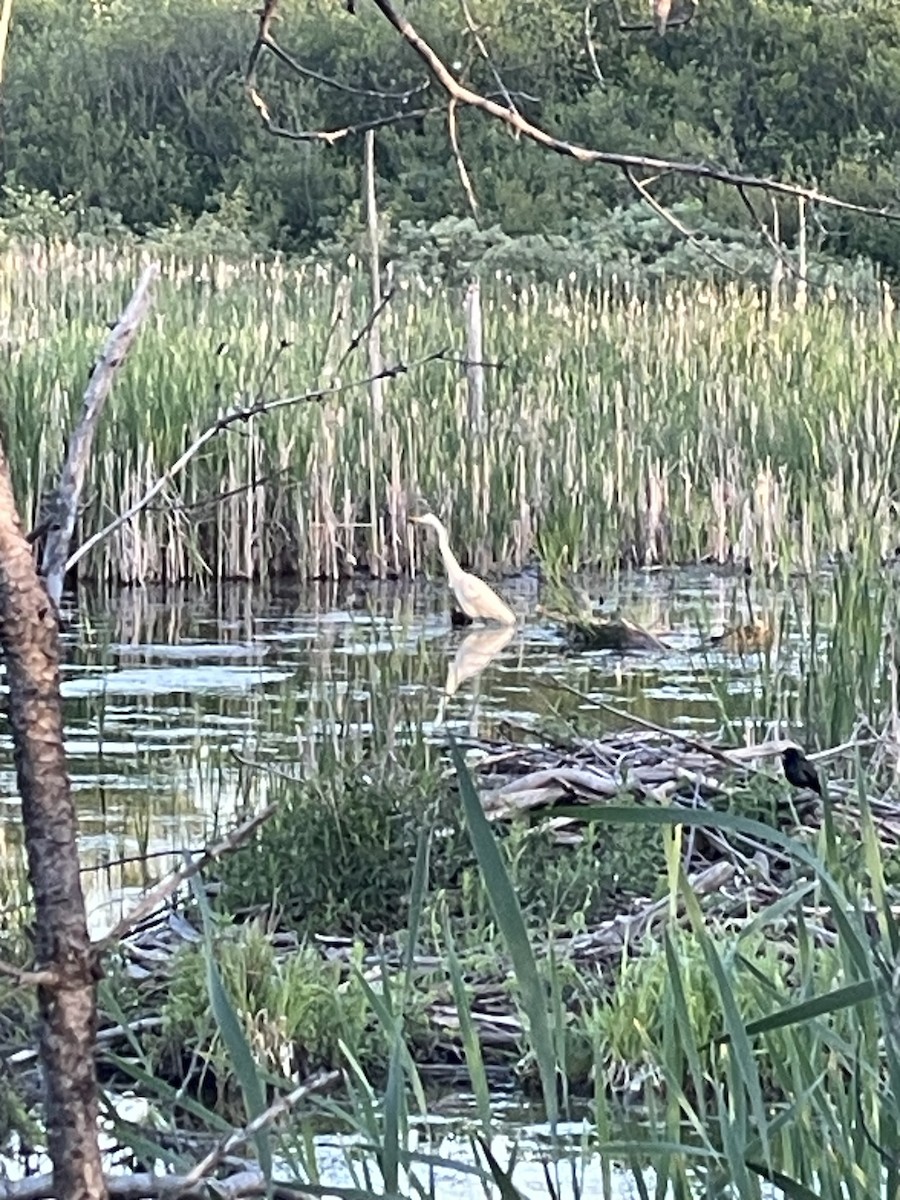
point(30, 645)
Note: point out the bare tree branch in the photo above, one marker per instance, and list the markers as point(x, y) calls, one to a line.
point(62, 507)
point(773, 245)
point(231, 418)
point(330, 136)
point(151, 900)
point(363, 332)
point(266, 40)
point(639, 162)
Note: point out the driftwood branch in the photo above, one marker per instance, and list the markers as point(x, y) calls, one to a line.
point(142, 1186)
point(240, 1137)
point(63, 504)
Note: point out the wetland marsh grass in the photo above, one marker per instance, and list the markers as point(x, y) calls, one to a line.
point(686, 423)
point(760, 1052)
point(746, 1045)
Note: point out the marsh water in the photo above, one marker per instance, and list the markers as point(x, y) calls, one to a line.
point(167, 693)
point(169, 696)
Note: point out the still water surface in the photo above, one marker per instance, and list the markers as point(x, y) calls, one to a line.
point(163, 691)
point(160, 689)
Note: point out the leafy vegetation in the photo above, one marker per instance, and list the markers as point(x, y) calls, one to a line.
point(294, 1010)
point(137, 118)
point(743, 1039)
point(363, 818)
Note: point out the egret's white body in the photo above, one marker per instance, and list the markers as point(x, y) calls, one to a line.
point(473, 595)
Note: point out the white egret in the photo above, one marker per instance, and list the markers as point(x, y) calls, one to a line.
point(473, 595)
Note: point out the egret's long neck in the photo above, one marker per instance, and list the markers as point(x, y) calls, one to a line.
point(451, 562)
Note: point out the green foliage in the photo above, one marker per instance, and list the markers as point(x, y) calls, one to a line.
point(338, 854)
point(140, 111)
point(626, 1026)
point(632, 425)
point(293, 1008)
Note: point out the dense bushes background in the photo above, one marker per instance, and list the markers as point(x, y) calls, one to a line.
point(137, 111)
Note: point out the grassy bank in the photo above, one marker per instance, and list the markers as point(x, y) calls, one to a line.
point(692, 423)
point(700, 951)
point(744, 1019)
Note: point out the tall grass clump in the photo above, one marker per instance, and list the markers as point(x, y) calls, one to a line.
point(831, 675)
point(684, 423)
point(781, 1062)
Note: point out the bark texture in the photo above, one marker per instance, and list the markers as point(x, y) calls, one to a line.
point(30, 644)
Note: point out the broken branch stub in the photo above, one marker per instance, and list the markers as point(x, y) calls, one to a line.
point(62, 507)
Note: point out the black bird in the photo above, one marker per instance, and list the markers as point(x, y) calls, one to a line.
point(800, 772)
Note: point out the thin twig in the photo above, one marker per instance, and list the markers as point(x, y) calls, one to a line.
point(238, 414)
point(363, 332)
point(331, 136)
point(591, 50)
point(151, 900)
point(483, 50)
point(775, 246)
point(669, 217)
point(453, 130)
point(336, 85)
point(692, 743)
point(239, 1137)
point(269, 768)
point(210, 502)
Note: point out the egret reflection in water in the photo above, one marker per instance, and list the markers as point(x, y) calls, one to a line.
point(475, 652)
